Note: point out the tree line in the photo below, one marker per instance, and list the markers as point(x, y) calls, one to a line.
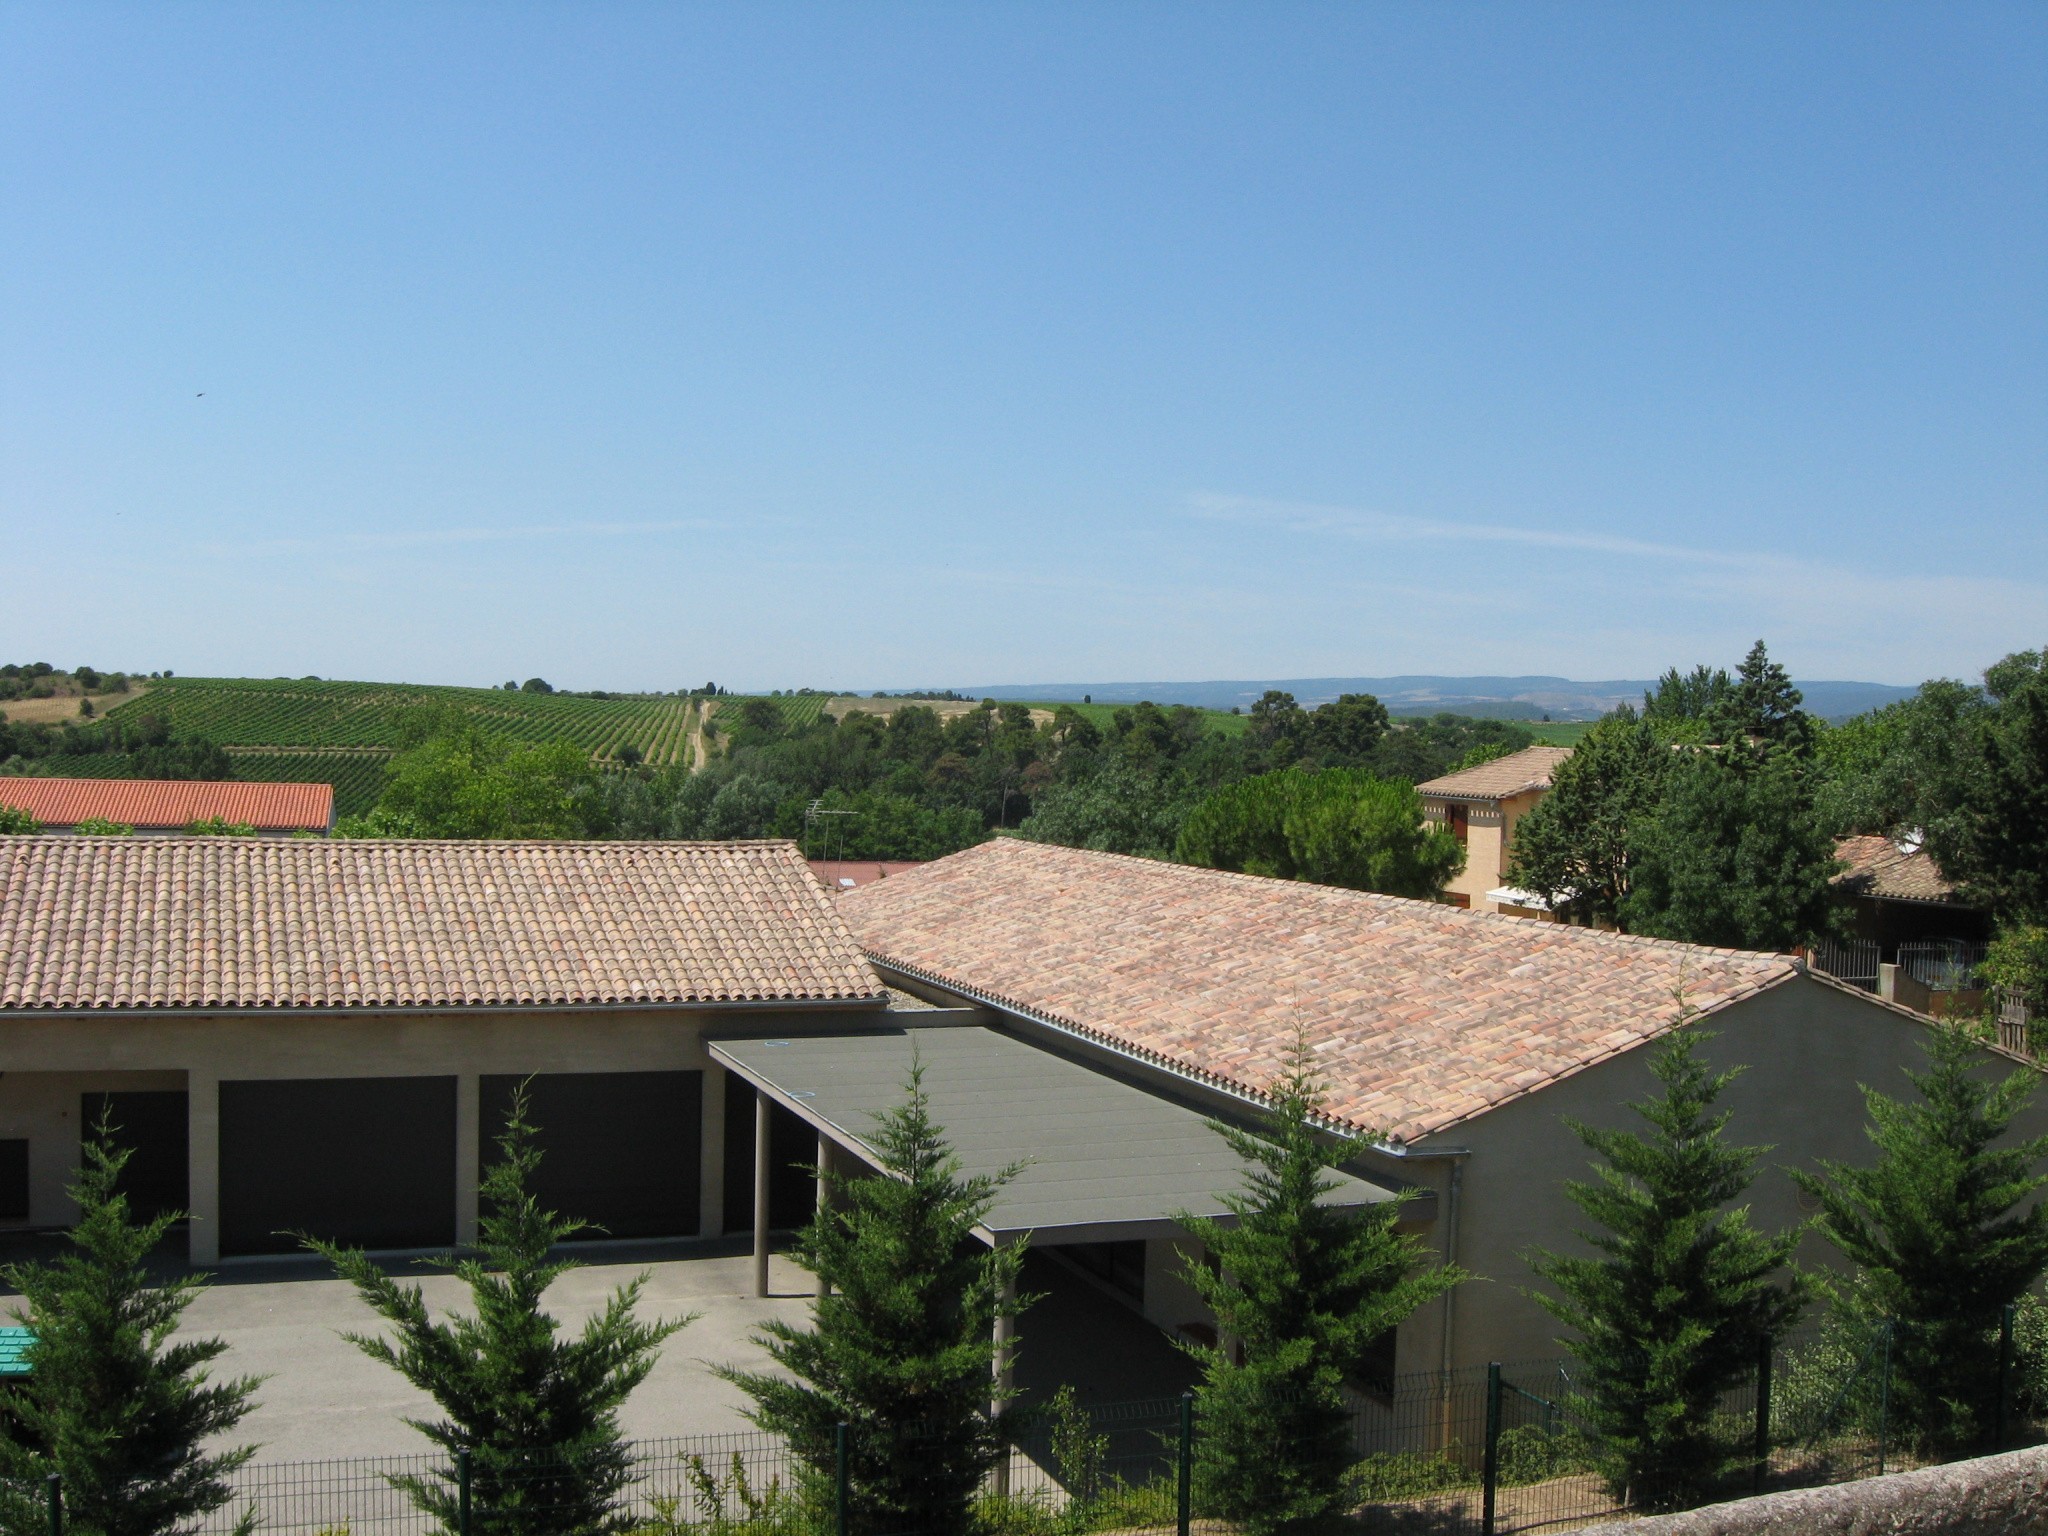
point(1711, 814)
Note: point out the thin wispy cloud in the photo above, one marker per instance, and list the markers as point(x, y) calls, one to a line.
point(1309, 517)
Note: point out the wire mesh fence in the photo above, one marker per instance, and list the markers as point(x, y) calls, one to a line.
point(1489, 1451)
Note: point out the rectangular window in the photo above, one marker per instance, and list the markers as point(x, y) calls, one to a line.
point(1457, 898)
point(1458, 820)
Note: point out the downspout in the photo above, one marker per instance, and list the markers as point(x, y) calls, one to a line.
point(1450, 1296)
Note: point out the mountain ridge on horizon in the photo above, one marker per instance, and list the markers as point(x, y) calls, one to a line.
point(1561, 698)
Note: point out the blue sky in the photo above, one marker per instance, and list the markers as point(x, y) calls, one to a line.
point(860, 346)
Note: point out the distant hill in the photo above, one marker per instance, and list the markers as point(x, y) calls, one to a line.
point(1501, 698)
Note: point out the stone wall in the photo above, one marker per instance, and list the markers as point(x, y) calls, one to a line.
point(1991, 1496)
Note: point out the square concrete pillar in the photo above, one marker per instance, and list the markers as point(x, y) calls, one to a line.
point(469, 1092)
point(711, 1156)
point(202, 1165)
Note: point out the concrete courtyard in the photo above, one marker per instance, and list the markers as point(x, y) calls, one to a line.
point(324, 1399)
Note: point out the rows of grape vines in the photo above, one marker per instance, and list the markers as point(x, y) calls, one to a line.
point(357, 777)
point(797, 708)
point(250, 712)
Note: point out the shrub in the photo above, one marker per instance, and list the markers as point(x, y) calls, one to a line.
point(219, 826)
point(17, 823)
point(1396, 1477)
point(100, 826)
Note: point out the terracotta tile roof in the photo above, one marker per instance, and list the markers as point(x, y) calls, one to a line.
point(172, 804)
point(1515, 774)
point(1880, 867)
point(845, 874)
point(236, 922)
point(1421, 1015)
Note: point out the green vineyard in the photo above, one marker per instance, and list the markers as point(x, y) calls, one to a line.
point(797, 708)
point(357, 777)
point(310, 715)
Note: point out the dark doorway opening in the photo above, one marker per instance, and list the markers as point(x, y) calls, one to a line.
point(153, 1127)
point(621, 1150)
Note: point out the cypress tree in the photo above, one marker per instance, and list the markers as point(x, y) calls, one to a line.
point(902, 1350)
point(1674, 1307)
point(117, 1406)
point(1937, 1229)
point(536, 1413)
point(1304, 1290)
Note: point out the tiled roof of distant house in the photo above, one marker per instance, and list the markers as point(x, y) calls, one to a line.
point(1892, 871)
point(171, 805)
point(1515, 774)
point(236, 922)
point(1421, 1015)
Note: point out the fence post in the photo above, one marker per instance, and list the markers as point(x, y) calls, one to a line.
point(1762, 1448)
point(2005, 1322)
point(840, 1496)
point(462, 1486)
point(1186, 1491)
point(1884, 1400)
point(55, 1484)
point(1492, 1472)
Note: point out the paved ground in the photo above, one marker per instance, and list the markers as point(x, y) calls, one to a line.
point(323, 1398)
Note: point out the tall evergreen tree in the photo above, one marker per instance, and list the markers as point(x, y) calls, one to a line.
point(901, 1349)
point(117, 1406)
point(537, 1414)
point(1671, 1310)
point(1735, 853)
point(1304, 1290)
point(1946, 1230)
point(1764, 707)
point(2004, 844)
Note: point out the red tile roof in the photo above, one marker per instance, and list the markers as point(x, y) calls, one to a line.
point(1892, 871)
point(1421, 1015)
point(1515, 774)
point(172, 804)
point(271, 923)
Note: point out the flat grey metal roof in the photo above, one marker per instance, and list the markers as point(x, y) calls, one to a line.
point(1105, 1160)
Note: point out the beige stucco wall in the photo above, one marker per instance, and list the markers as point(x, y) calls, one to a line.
point(1807, 1046)
point(1489, 834)
point(43, 1109)
point(47, 1061)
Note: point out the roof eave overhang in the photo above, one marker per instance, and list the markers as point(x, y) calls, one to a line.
point(876, 1003)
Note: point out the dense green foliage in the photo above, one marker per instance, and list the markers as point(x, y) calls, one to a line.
point(1305, 1290)
point(124, 744)
point(1341, 826)
point(1699, 819)
point(17, 822)
point(1673, 1308)
point(117, 1406)
point(901, 1348)
point(40, 680)
point(919, 784)
point(1944, 1231)
point(537, 1414)
point(1733, 852)
point(473, 785)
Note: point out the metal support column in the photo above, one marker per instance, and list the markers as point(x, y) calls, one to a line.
point(1004, 1374)
point(824, 1196)
point(761, 1128)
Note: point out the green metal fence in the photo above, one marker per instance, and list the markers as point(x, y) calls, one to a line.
point(1486, 1452)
